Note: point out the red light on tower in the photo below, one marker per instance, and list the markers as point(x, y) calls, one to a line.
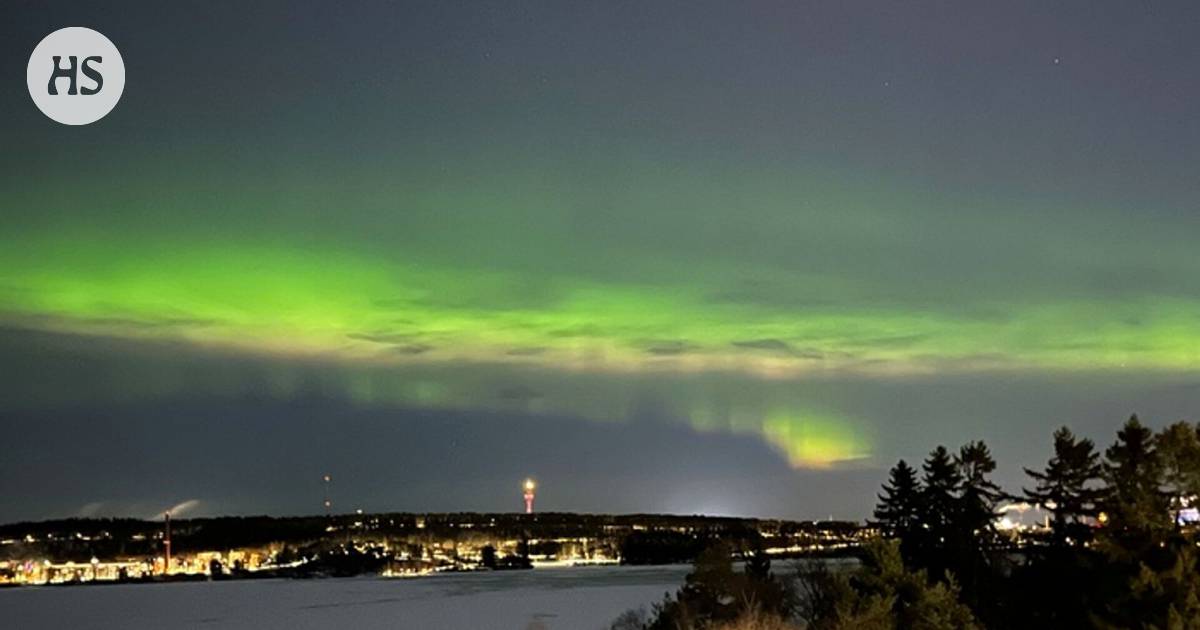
point(530, 487)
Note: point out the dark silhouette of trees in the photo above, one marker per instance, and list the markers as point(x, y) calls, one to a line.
point(660, 547)
point(979, 495)
point(487, 557)
point(1066, 488)
point(899, 509)
point(882, 594)
point(1055, 586)
point(1179, 449)
point(939, 505)
point(757, 562)
point(1117, 554)
point(714, 592)
point(944, 522)
point(973, 527)
point(939, 490)
point(1135, 509)
point(1154, 578)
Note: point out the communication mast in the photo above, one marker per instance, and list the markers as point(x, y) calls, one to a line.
point(530, 488)
point(328, 503)
point(167, 541)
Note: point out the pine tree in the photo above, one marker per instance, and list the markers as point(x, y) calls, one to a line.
point(974, 532)
point(979, 494)
point(1179, 449)
point(939, 506)
point(898, 508)
point(1169, 597)
point(1137, 510)
point(1057, 585)
point(1153, 581)
point(881, 594)
point(757, 560)
point(940, 486)
point(1065, 488)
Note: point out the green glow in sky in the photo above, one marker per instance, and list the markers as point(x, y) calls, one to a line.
point(815, 440)
point(342, 304)
point(373, 310)
point(780, 274)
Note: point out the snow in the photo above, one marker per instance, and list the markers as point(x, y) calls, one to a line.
point(570, 598)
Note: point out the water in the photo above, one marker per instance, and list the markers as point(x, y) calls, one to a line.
point(570, 598)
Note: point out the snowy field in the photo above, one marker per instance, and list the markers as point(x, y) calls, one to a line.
point(576, 598)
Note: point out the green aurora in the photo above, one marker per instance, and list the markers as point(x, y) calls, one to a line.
point(372, 311)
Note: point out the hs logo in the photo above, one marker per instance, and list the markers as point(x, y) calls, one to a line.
point(75, 76)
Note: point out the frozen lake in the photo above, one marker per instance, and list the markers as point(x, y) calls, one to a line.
point(575, 598)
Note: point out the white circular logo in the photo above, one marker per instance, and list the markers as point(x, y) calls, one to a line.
point(75, 75)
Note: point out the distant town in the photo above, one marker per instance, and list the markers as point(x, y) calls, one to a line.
point(86, 550)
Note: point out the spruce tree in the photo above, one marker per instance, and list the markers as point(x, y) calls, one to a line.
point(1066, 487)
point(898, 509)
point(1136, 509)
point(1179, 449)
point(1153, 567)
point(974, 530)
point(979, 495)
point(939, 506)
point(940, 485)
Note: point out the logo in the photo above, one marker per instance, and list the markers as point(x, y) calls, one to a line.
point(75, 75)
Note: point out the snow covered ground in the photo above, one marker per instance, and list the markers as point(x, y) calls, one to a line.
point(573, 598)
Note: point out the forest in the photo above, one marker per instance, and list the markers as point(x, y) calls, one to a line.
point(1119, 551)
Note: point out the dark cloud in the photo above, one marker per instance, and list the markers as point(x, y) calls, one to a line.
point(897, 341)
point(412, 349)
point(384, 337)
point(143, 324)
point(774, 345)
point(669, 347)
point(397, 343)
point(114, 324)
point(779, 346)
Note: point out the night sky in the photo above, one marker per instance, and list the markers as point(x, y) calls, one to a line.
point(697, 257)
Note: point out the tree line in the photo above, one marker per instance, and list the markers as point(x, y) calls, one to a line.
point(1118, 552)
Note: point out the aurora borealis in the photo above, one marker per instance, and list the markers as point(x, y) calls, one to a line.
point(796, 240)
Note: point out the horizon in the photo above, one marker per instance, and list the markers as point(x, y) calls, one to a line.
point(159, 518)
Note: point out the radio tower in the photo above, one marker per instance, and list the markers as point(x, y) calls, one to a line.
point(325, 483)
point(167, 541)
point(530, 488)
